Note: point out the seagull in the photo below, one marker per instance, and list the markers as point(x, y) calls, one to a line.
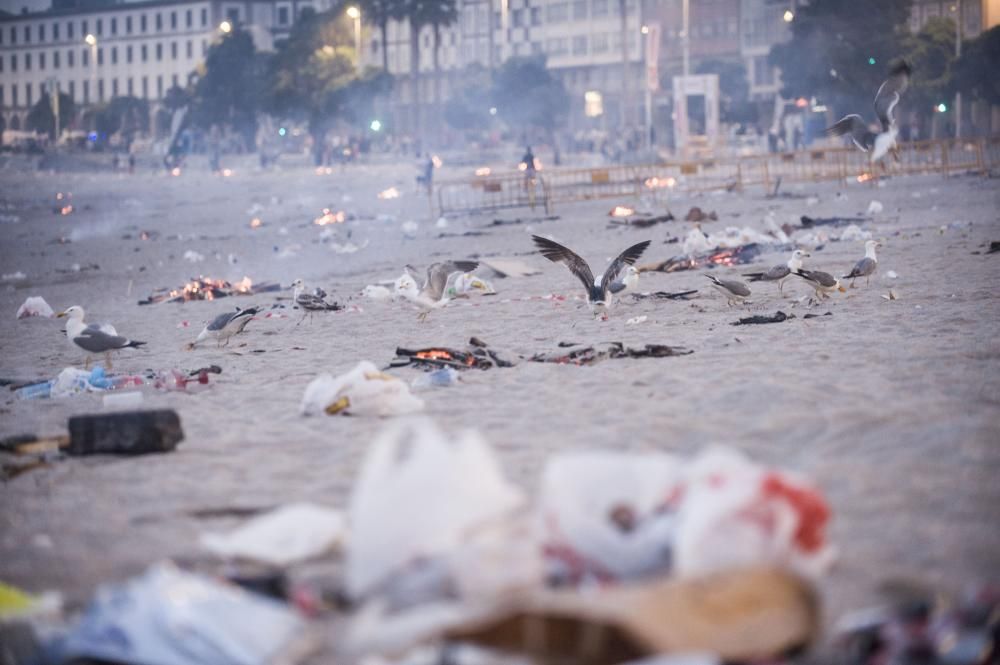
point(779, 272)
point(95, 338)
point(734, 290)
point(224, 326)
point(627, 283)
point(310, 302)
point(432, 295)
point(867, 266)
point(823, 282)
point(886, 99)
point(599, 293)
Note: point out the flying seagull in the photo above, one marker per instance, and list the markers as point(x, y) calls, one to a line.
point(886, 99)
point(310, 303)
point(627, 283)
point(779, 272)
point(822, 282)
point(224, 326)
point(432, 295)
point(96, 338)
point(735, 291)
point(867, 266)
point(599, 290)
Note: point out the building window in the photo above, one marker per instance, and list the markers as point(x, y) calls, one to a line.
point(13, 62)
point(128, 87)
point(27, 94)
point(100, 27)
point(536, 16)
point(84, 57)
point(599, 43)
point(189, 18)
point(114, 55)
point(144, 53)
point(69, 58)
point(83, 28)
point(763, 74)
point(159, 22)
point(72, 90)
point(55, 32)
point(128, 54)
point(27, 34)
point(114, 88)
point(13, 95)
point(13, 38)
point(86, 92)
point(173, 20)
point(114, 26)
point(282, 15)
point(1, 64)
point(128, 25)
point(159, 87)
point(173, 80)
point(55, 60)
point(159, 52)
point(233, 15)
point(1, 95)
point(100, 90)
point(556, 46)
point(41, 32)
point(145, 87)
point(580, 45)
point(69, 30)
point(599, 8)
point(204, 47)
point(190, 49)
point(556, 12)
point(100, 56)
point(580, 10)
point(27, 62)
point(41, 60)
point(204, 17)
point(142, 23)
point(173, 50)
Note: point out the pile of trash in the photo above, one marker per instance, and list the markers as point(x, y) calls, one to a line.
point(570, 353)
point(364, 391)
point(72, 381)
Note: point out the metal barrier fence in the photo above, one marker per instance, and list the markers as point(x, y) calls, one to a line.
point(944, 156)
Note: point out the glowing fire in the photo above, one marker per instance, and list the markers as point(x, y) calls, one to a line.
point(434, 354)
point(65, 210)
point(621, 211)
point(726, 257)
point(256, 223)
point(330, 217)
point(524, 166)
point(226, 173)
point(60, 196)
point(436, 161)
point(865, 177)
point(391, 193)
point(324, 170)
point(245, 285)
point(204, 288)
point(483, 170)
point(144, 235)
point(176, 171)
point(659, 183)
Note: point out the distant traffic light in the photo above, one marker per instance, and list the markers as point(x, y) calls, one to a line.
point(941, 108)
point(871, 61)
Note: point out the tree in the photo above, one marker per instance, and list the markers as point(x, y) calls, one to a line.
point(468, 107)
point(975, 70)
point(527, 96)
point(355, 101)
point(439, 14)
point(42, 119)
point(380, 12)
point(931, 54)
point(840, 50)
point(176, 98)
point(125, 116)
point(230, 92)
point(734, 90)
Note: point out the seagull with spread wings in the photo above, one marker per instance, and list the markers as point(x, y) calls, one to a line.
point(433, 294)
point(600, 291)
point(881, 143)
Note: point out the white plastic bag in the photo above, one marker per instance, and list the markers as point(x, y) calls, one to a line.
point(283, 536)
point(35, 306)
point(364, 391)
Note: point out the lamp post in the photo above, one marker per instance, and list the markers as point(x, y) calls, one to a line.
point(355, 14)
point(91, 41)
point(686, 42)
point(958, 52)
point(646, 86)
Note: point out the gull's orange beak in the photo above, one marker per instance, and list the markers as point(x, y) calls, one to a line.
point(60, 315)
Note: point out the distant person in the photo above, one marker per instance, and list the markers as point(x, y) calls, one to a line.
point(425, 176)
point(131, 163)
point(215, 149)
point(529, 163)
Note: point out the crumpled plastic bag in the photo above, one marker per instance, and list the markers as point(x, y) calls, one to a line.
point(72, 381)
point(469, 283)
point(35, 306)
point(377, 293)
point(364, 391)
point(421, 495)
point(854, 232)
point(609, 516)
point(736, 513)
point(170, 617)
point(283, 536)
point(875, 207)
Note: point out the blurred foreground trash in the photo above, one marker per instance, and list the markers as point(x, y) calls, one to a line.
point(439, 378)
point(123, 433)
point(292, 533)
point(364, 391)
point(170, 617)
point(35, 306)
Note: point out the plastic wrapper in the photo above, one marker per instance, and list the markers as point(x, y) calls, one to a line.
point(35, 306)
point(364, 391)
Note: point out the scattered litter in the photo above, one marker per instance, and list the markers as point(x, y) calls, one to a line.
point(377, 293)
point(206, 288)
point(347, 247)
point(809, 222)
point(442, 223)
point(816, 316)
point(891, 274)
point(621, 211)
point(509, 268)
point(875, 207)
point(13, 277)
point(193, 256)
point(892, 295)
point(329, 217)
point(588, 355)
point(439, 378)
point(20, 605)
point(391, 193)
point(719, 257)
point(35, 306)
point(284, 536)
point(171, 617)
point(777, 317)
point(466, 283)
point(854, 232)
point(666, 295)
point(410, 229)
point(645, 222)
point(636, 320)
point(479, 356)
point(696, 214)
point(125, 433)
point(811, 201)
point(364, 391)
point(994, 247)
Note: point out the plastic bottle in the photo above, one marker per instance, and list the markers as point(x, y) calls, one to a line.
point(35, 391)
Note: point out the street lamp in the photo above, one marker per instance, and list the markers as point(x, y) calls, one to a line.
point(91, 41)
point(789, 16)
point(355, 13)
point(226, 27)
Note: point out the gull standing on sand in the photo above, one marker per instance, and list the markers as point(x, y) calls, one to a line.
point(224, 326)
point(627, 283)
point(779, 272)
point(822, 282)
point(310, 302)
point(867, 266)
point(432, 295)
point(886, 99)
point(734, 290)
point(96, 338)
point(599, 293)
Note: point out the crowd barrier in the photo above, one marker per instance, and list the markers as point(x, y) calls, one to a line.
point(767, 171)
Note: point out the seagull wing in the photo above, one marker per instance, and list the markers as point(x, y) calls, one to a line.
point(731, 285)
point(854, 125)
point(438, 274)
point(94, 340)
point(862, 268)
point(626, 258)
point(556, 253)
point(889, 93)
point(818, 277)
point(221, 321)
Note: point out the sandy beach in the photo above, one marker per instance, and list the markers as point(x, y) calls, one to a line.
point(891, 407)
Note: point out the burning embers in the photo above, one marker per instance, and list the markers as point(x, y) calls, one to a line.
point(206, 288)
point(660, 183)
point(728, 256)
point(330, 217)
point(621, 211)
point(478, 356)
point(63, 205)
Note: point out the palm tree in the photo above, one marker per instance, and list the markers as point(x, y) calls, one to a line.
point(440, 14)
point(422, 13)
point(380, 12)
point(626, 81)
